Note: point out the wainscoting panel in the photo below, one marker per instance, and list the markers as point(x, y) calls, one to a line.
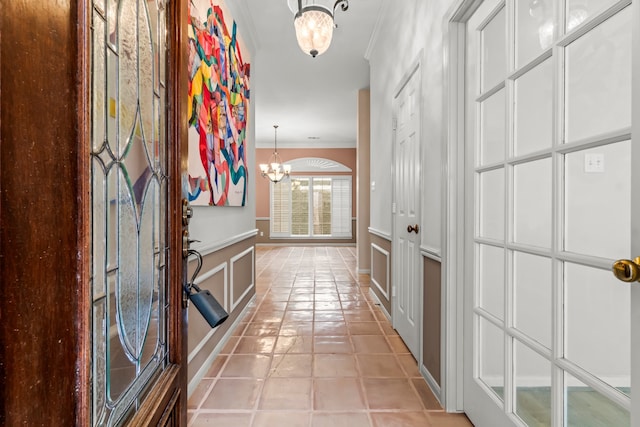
point(229, 274)
point(242, 276)
point(381, 278)
point(216, 282)
point(380, 269)
point(432, 332)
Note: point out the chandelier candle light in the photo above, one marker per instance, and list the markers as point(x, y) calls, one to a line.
point(314, 26)
point(275, 170)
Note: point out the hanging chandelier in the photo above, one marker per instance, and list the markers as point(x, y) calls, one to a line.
point(314, 26)
point(275, 170)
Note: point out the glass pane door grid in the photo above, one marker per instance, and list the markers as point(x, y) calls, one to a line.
point(552, 172)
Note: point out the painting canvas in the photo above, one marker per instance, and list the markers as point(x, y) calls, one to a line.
point(219, 95)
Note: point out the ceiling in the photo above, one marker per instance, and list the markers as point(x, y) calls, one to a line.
point(313, 100)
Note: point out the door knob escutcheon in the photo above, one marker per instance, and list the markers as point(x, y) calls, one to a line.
point(627, 270)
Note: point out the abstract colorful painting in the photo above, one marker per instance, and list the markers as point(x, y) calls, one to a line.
point(218, 112)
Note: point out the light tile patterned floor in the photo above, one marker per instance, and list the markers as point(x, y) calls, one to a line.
point(314, 351)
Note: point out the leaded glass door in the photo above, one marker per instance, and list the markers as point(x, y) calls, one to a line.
point(134, 304)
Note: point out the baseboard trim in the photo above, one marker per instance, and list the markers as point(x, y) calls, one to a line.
point(376, 300)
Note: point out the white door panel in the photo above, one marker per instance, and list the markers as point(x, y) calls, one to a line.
point(548, 210)
point(406, 252)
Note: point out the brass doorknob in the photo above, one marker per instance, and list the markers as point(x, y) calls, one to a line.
point(413, 228)
point(627, 270)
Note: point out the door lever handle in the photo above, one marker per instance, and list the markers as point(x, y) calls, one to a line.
point(413, 228)
point(627, 270)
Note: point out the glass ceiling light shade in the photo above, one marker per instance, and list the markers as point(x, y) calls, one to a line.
point(314, 27)
point(275, 170)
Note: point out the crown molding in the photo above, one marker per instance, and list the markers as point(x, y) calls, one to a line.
point(375, 34)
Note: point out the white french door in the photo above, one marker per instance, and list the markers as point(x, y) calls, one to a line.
point(406, 298)
point(548, 196)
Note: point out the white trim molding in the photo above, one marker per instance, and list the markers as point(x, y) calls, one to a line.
point(206, 250)
point(204, 276)
point(379, 233)
point(373, 279)
point(377, 302)
point(235, 302)
point(377, 29)
point(431, 253)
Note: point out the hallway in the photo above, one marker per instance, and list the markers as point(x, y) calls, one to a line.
point(314, 350)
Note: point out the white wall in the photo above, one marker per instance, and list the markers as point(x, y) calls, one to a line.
point(214, 224)
point(411, 31)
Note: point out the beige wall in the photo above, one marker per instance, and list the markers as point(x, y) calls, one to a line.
point(346, 156)
point(362, 182)
point(381, 273)
point(229, 275)
point(432, 316)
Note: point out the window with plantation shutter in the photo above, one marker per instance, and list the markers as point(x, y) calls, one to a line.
point(311, 207)
point(341, 207)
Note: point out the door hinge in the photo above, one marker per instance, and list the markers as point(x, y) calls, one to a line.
point(393, 291)
point(394, 124)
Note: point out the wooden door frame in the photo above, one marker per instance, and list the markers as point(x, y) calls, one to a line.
point(45, 196)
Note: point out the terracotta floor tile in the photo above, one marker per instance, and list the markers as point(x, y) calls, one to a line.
point(216, 367)
point(254, 345)
point(199, 393)
point(328, 316)
point(275, 419)
point(301, 298)
point(364, 328)
point(222, 420)
point(337, 394)
point(239, 330)
point(294, 327)
point(280, 368)
point(409, 364)
point(247, 366)
point(442, 419)
point(345, 419)
point(388, 329)
point(300, 306)
point(359, 316)
point(230, 345)
point(262, 329)
point(274, 305)
point(330, 328)
point(391, 393)
point(379, 366)
point(370, 344)
point(399, 419)
point(286, 393)
point(429, 401)
point(327, 305)
point(294, 344)
point(268, 316)
point(291, 365)
point(298, 316)
point(355, 305)
point(332, 344)
point(335, 365)
point(327, 297)
point(397, 344)
point(233, 394)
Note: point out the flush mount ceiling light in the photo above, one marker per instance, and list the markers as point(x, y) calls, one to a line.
point(275, 170)
point(314, 26)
